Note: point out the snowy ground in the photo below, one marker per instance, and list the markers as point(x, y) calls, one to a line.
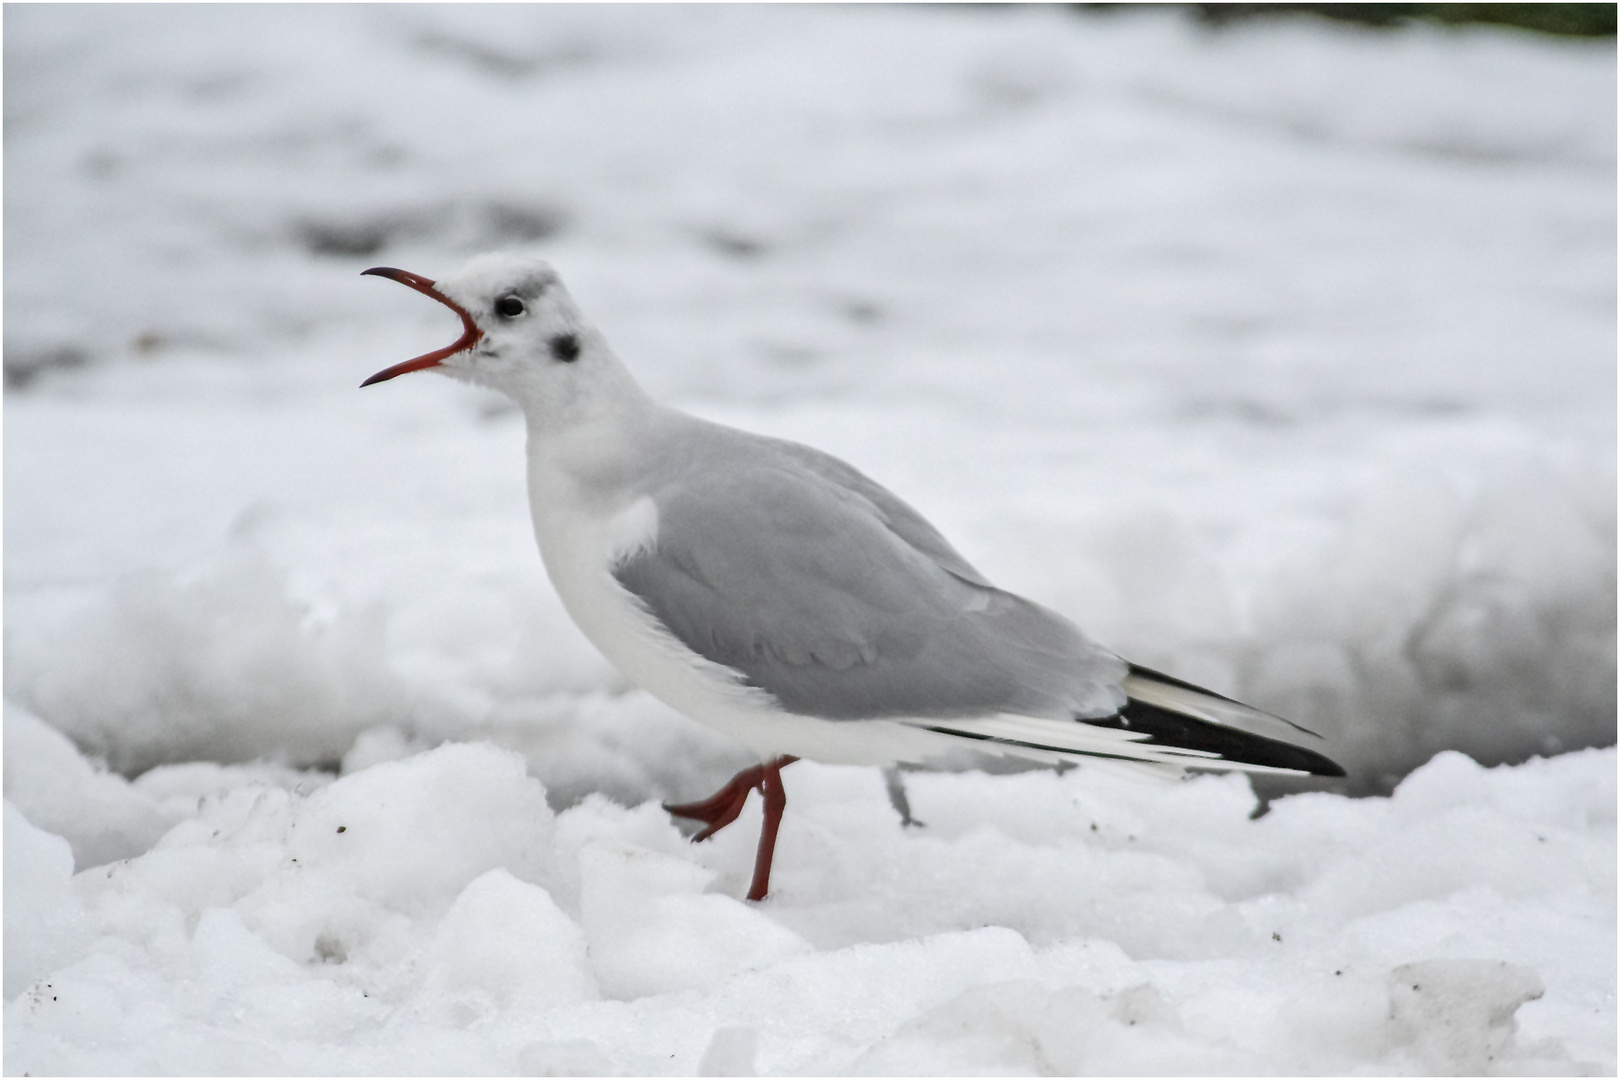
point(1281, 358)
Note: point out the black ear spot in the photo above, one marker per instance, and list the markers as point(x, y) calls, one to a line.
point(565, 347)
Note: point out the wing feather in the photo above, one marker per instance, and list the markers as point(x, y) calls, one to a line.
point(831, 594)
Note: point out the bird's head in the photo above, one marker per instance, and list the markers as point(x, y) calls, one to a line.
point(521, 332)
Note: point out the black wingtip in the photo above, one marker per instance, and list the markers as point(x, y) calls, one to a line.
point(1239, 747)
point(1150, 675)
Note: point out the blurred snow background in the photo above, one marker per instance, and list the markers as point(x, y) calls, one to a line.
point(1280, 357)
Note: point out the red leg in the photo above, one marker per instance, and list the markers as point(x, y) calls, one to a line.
point(722, 808)
point(775, 802)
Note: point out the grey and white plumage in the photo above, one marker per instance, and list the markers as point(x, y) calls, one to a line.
point(776, 593)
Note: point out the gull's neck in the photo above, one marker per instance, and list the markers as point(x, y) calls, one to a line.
point(599, 387)
point(590, 440)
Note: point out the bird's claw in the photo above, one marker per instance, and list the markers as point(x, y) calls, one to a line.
point(721, 808)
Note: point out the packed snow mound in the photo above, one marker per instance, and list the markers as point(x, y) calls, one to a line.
point(227, 667)
point(432, 914)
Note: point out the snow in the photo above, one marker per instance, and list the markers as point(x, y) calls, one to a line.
point(1279, 357)
point(432, 914)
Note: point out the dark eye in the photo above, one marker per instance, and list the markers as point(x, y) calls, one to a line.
point(509, 307)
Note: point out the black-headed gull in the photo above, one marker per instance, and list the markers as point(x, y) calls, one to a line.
point(773, 592)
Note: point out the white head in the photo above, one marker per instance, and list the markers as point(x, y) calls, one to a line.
point(521, 334)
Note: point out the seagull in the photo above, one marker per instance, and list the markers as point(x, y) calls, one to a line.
point(778, 595)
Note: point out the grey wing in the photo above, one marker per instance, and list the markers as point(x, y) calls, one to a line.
point(837, 598)
point(894, 512)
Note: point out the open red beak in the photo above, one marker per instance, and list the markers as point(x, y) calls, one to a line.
point(469, 334)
